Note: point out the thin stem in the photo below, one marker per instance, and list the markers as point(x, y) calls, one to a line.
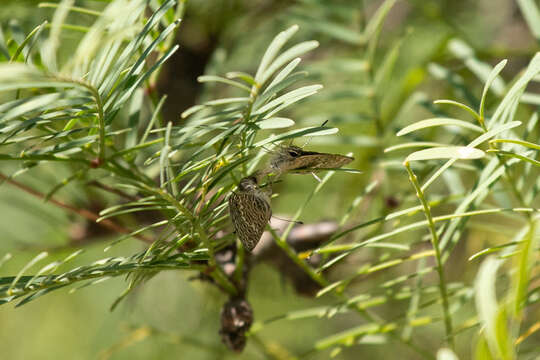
point(508, 174)
point(240, 262)
point(375, 103)
point(435, 244)
point(282, 243)
point(77, 9)
point(246, 116)
point(220, 277)
point(101, 119)
point(512, 183)
point(112, 190)
point(99, 107)
point(106, 271)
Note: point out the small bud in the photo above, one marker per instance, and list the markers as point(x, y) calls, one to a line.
point(95, 163)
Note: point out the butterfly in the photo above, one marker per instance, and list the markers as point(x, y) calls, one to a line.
point(250, 211)
point(293, 159)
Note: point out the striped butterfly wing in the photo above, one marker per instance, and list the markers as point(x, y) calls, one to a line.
point(294, 159)
point(249, 213)
point(320, 161)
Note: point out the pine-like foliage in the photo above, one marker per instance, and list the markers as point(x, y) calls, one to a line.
point(89, 108)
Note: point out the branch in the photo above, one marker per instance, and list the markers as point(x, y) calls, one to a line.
point(81, 212)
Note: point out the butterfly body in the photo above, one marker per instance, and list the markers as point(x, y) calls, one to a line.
point(250, 211)
point(294, 159)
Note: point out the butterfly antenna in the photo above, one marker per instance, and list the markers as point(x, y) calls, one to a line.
point(311, 137)
point(293, 221)
point(269, 151)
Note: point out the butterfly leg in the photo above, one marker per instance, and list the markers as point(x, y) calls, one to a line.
point(316, 177)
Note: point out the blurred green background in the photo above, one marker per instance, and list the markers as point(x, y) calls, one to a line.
point(172, 317)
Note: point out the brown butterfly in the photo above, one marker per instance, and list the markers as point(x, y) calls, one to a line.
point(293, 159)
point(250, 211)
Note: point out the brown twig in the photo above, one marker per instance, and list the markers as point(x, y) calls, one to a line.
point(112, 190)
point(81, 212)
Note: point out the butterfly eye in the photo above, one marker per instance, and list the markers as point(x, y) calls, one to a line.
point(293, 153)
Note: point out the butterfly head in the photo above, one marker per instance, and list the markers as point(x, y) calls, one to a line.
point(249, 183)
point(292, 151)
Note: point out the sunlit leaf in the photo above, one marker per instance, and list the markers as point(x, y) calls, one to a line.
point(438, 122)
point(448, 152)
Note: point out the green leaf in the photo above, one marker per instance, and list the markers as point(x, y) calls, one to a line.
point(226, 101)
point(412, 145)
point(453, 79)
point(385, 69)
point(289, 98)
point(488, 177)
point(125, 59)
point(517, 89)
point(449, 152)
point(5, 259)
point(530, 98)
point(33, 34)
point(276, 87)
point(191, 110)
point(311, 131)
point(491, 133)
point(114, 103)
point(438, 122)
point(19, 75)
point(446, 354)
point(350, 141)
point(26, 157)
point(77, 175)
point(38, 294)
point(517, 156)
point(152, 121)
point(530, 12)
point(75, 145)
point(377, 19)
point(333, 29)
point(31, 263)
point(214, 78)
point(107, 73)
point(135, 106)
point(491, 316)
point(481, 69)
point(273, 50)
point(225, 170)
point(517, 142)
point(526, 261)
point(247, 78)
point(459, 105)
point(482, 350)
point(3, 48)
point(275, 123)
point(491, 249)
point(490, 79)
point(287, 56)
point(349, 337)
point(283, 74)
point(50, 46)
